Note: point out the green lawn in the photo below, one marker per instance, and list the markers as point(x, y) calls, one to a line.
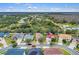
point(65, 52)
point(77, 49)
point(2, 52)
point(9, 39)
point(1, 45)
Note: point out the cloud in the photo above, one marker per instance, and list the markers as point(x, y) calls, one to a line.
point(36, 9)
point(29, 7)
point(32, 7)
point(64, 9)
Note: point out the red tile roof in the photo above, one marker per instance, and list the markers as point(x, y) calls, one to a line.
point(65, 36)
point(52, 51)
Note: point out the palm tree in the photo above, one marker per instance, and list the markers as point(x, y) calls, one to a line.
point(64, 41)
point(14, 44)
point(53, 41)
point(28, 41)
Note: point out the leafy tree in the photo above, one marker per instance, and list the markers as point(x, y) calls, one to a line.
point(71, 31)
point(77, 46)
point(64, 41)
point(53, 41)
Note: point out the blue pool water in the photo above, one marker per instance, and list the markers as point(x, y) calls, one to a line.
point(15, 51)
point(34, 51)
point(1, 34)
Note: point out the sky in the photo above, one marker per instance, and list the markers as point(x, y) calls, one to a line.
point(39, 7)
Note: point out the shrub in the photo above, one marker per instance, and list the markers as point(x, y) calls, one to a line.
point(28, 40)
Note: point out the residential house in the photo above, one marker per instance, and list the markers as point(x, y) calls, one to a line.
point(54, 36)
point(18, 37)
point(2, 40)
point(28, 36)
point(50, 36)
point(38, 36)
point(67, 37)
point(76, 40)
point(73, 44)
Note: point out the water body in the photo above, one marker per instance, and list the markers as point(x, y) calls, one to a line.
point(20, 13)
